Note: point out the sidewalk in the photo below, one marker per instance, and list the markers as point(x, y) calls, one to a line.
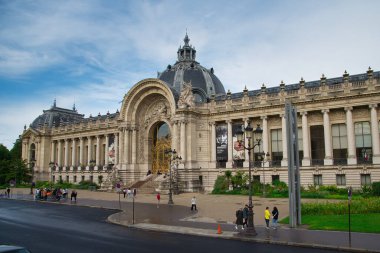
point(214, 210)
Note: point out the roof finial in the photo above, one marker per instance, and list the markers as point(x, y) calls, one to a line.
point(186, 39)
point(55, 103)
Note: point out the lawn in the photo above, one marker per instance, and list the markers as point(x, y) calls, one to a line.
point(369, 223)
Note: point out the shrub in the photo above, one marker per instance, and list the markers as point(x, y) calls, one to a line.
point(370, 205)
point(86, 185)
point(221, 185)
point(239, 180)
point(376, 188)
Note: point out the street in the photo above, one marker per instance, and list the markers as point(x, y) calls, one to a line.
point(48, 227)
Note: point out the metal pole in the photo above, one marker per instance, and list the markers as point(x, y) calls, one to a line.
point(170, 202)
point(349, 215)
point(119, 200)
point(264, 180)
point(133, 210)
point(251, 227)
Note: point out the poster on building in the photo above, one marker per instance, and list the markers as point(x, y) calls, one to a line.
point(111, 149)
point(238, 148)
point(221, 142)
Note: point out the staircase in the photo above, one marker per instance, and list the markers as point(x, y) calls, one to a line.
point(148, 185)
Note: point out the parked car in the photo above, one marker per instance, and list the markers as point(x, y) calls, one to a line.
point(13, 249)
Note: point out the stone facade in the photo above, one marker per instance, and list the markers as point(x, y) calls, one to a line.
point(338, 122)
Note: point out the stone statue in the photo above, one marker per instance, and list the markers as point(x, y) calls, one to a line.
point(186, 99)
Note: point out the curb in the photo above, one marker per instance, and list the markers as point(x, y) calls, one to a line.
point(231, 236)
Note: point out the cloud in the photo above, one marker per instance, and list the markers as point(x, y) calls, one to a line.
point(92, 52)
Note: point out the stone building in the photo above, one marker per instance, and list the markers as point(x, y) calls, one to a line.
point(187, 109)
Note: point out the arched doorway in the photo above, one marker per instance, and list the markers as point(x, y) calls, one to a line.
point(161, 142)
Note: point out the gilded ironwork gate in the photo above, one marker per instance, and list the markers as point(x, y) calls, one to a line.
point(160, 161)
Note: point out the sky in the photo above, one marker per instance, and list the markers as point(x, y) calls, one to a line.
point(91, 52)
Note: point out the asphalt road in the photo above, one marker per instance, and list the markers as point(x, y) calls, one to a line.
point(49, 227)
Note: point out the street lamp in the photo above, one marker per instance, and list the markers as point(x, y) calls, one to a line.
point(177, 160)
point(254, 139)
point(51, 165)
point(266, 159)
point(172, 157)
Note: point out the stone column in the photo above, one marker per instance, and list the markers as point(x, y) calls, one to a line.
point(66, 153)
point(97, 151)
point(265, 137)
point(229, 146)
point(126, 152)
point(327, 132)
point(116, 148)
point(89, 144)
point(106, 151)
point(213, 143)
point(59, 153)
point(375, 135)
point(73, 153)
point(81, 146)
point(183, 140)
point(52, 152)
point(351, 159)
point(284, 161)
point(134, 145)
point(175, 136)
point(305, 140)
point(120, 152)
point(246, 152)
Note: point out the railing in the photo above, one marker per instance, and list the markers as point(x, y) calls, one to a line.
point(340, 161)
point(335, 87)
point(317, 162)
point(362, 160)
point(358, 84)
point(275, 163)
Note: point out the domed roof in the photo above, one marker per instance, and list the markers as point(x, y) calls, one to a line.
point(56, 116)
point(186, 69)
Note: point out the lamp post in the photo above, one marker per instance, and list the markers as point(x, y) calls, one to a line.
point(266, 159)
point(172, 157)
point(51, 165)
point(254, 139)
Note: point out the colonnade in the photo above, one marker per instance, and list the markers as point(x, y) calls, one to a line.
point(91, 150)
point(306, 161)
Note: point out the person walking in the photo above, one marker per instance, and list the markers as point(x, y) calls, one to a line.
point(74, 195)
point(193, 204)
point(8, 192)
point(245, 215)
point(239, 219)
point(124, 192)
point(267, 217)
point(158, 196)
point(275, 217)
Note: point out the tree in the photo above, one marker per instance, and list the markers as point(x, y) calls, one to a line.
point(4, 153)
point(16, 151)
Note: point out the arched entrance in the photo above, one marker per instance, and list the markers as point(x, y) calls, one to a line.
point(161, 142)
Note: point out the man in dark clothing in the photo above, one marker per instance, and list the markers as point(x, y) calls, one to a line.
point(8, 192)
point(239, 219)
point(275, 217)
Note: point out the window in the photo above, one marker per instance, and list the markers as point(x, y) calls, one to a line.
point(82, 178)
point(276, 137)
point(67, 179)
point(365, 179)
point(91, 178)
point(339, 142)
point(363, 142)
point(275, 178)
point(75, 179)
point(317, 179)
point(60, 178)
point(341, 179)
point(256, 179)
point(53, 179)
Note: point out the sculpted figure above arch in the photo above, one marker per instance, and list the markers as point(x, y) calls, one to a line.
point(186, 99)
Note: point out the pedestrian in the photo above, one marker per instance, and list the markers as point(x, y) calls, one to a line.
point(134, 192)
point(239, 219)
point(275, 217)
point(267, 217)
point(158, 196)
point(194, 204)
point(129, 193)
point(74, 195)
point(8, 192)
point(245, 215)
point(124, 192)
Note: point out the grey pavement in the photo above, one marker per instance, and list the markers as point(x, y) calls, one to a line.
point(179, 219)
